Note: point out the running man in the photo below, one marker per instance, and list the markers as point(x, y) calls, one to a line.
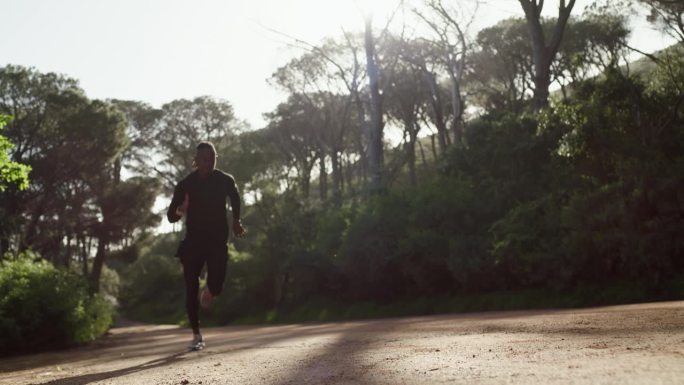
point(201, 198)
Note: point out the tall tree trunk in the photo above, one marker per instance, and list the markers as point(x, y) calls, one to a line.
point(281, 290)
point(32, 230)
point(544, 52)
point(436, 104)
point(422, 152)
point(322, 176)
point(336, 175)
point(98, 263)
point(410, 126)
point(12, 209)
point(343, 170)
point(305, 186)
point(456, 73)
point(116, 173)
point(361, 112)
point(67, 257)
point(305, 178)
point(455, 61)
point(434, 148)
point(457, 108)
point(4, 246)
point(84, 257)
point(349, 168)
point(375, 150)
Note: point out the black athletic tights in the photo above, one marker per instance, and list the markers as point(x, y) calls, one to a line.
point(193, 257)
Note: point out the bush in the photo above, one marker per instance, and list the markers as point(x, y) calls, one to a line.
point(44, 307)
point(153, 289)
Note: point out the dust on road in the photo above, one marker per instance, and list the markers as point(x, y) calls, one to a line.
point(631, 344)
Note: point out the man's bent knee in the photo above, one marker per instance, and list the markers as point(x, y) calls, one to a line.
point(215, 289)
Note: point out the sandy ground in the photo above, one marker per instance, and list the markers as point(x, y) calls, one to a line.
point(631, 344)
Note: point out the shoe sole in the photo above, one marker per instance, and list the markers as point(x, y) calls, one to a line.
point(197, 347)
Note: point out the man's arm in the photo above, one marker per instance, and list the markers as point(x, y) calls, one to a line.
point(234, 196)
point(179, 195)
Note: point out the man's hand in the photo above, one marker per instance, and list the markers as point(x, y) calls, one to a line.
point(183, 209)
point(239, 231)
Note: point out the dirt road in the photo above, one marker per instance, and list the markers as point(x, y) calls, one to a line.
point(632, 344)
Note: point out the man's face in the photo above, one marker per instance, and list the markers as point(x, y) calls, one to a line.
point(205, 160)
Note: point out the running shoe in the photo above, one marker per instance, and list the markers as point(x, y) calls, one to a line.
point(197, 342)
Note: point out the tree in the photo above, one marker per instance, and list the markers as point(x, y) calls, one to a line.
point(376, 124)
point(253, 159)
point(75, 148)
point(328, 78)
point(26, 95)
point(125, 209)
point(142, 129)
point(426, 57)
point(182, 125)
point(11, 173)
point(406, 95)
point(292, 127)
point(67, 140)
point(543, 49)
point(668, 15)
point(87, 138)
point(502, 73)
point(592, 45)
point(454, 47)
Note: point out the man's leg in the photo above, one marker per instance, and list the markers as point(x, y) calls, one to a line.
point(192, 267)
point(217, 259)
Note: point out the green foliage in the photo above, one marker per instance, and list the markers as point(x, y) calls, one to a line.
point(153, 289)
point(629, 206)
point(183, 124)
point(45, 307)
point(110, 282)
point(76, 148)
point(502, 73)
point(616, 210)
point(578, 205)
point(13, 173)
point(370, 248)
point(667, 15)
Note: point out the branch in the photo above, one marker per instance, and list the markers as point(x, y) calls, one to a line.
point(311, 48)
point(389, 21)
point(648, 55)
point(563, 16)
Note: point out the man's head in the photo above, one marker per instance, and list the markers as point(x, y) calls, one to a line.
point(205, 158)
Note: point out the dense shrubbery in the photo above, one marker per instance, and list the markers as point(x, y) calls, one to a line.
point(153, 289)
point(587, 194)
point(42, 306)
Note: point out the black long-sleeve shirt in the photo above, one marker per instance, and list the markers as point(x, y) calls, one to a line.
point(206, 215)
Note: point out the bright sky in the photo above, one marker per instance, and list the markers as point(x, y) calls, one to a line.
point(160, 50)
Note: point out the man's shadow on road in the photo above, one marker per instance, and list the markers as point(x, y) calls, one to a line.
point(88, 378)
